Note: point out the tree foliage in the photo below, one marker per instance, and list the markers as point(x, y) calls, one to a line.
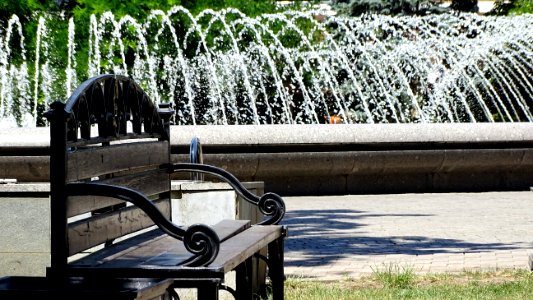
point(464, 5)
point(57, 14)
point(390, 7)
point(512, 7)
point(408, 7)
point(141, 8)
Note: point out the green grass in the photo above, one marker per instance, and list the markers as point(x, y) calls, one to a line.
point(395, 276)
point(393, 282)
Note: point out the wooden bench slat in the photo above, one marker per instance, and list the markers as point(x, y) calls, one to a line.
point(96, 161)
point(238, 248)
point(85, 234)
point(99, 140)
point(149, 183)
point(137, 251)
point(77, 205)
point(226, 229)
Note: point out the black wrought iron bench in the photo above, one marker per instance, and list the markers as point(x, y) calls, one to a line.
point(112, 236)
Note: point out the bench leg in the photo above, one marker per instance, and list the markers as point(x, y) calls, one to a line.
point(208, 290)
point(243, 282)
point(276, 272)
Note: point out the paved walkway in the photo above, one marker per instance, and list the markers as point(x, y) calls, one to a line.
point(332, 237)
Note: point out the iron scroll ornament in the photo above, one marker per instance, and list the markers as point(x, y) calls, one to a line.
point(270, 204)
point(199, 239)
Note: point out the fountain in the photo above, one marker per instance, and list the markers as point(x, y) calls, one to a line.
point(431, 103)
point(224, 68)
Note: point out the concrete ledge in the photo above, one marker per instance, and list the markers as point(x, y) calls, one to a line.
point(369, 158)
point(335, 159)
point(323, 134)
point(216, 135)
point(24, 264)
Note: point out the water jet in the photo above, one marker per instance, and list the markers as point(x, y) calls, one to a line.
point(224, 68)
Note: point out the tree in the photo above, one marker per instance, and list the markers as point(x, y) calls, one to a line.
point(391, 7)
point(465, 5)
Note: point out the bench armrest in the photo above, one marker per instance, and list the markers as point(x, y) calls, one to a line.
point(270, 204)
point(199, 239)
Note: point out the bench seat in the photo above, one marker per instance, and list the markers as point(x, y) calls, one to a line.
point(154, 254)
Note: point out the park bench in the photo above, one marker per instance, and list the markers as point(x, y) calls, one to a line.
point(112, 236)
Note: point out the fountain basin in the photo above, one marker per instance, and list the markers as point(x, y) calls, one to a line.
point(335, 159)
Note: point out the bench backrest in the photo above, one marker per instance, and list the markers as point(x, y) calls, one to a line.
point(127, 147)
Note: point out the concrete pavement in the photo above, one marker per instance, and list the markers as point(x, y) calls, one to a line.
point(333, 237)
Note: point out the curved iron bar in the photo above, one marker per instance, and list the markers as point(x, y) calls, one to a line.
point(270, 204)
point(196, 157)
point(198, 239)
point(111, 101)
point(229, 290)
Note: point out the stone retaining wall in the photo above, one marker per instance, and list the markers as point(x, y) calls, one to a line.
point(335, 159)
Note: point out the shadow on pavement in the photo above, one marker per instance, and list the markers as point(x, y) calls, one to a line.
point(320, 237)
